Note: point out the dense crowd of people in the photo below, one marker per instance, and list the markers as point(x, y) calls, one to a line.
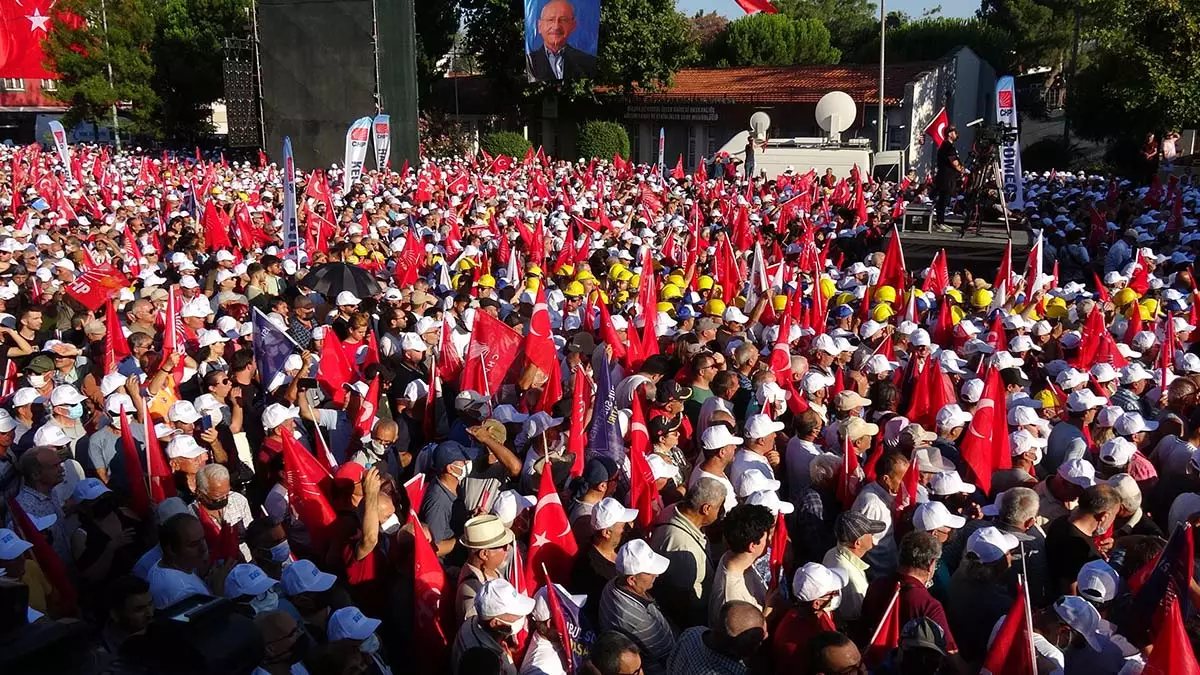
point(493, 415)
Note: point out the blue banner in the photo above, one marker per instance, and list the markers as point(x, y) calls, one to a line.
point(271, 346)
point(292, 244)
point(604, 438)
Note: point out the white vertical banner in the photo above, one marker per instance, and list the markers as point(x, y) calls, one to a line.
point(1010, 151)
point(60, 143)
point(383, 140)
point(292, 244)
point(358, 137)
point(662, 143)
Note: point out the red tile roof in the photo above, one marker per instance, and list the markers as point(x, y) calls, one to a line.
point(787, 84)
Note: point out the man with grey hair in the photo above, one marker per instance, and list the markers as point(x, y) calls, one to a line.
point(1014, 512)
point(1130, 518)
point(745, 360)
point(919, 556)
point(682, 591)
point(219, 505)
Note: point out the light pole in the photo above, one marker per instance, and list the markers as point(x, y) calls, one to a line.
point(882, 35)
point(116, 124)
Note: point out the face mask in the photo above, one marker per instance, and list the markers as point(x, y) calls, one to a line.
point(370, 645)
point(514, 627)
point(281, 552)
point(266, 601)
point(37, 381)
point(391, 525)
point(378, 449)
point(76, 411)
point(217, 505)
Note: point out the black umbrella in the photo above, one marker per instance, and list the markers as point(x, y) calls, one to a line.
point(333, 278)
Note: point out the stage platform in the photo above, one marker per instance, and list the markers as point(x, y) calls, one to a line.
point(981, 253)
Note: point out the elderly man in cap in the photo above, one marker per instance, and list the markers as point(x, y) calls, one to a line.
point(718, 445)
point(442, 509)
point(595, 565)
point(818, 592)
point(1067, 440)
point(1058, 494)
point(855, 536)
point(875, 502)
point(351, 625)
point(759, 450)
point(918, 559)
point(486, 539)
point(626, 604)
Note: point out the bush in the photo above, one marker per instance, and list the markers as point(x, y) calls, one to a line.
point(505, 143)
point(602, 140)
point(442, 137)
point(1048, 154)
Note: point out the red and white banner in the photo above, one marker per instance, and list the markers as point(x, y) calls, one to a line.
point(97, 285)
point(358, 137)
point(60, 143)
point(383, 140)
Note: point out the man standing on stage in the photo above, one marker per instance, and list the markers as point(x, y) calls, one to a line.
point(948, 177)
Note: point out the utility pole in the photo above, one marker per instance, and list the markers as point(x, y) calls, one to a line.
point(1071, 77)
point(116, 124)
point(882, 36)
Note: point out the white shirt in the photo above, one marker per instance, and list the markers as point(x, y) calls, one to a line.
point(730, 496)
point(541, 658)
point(556, 64)
point(712, 405)
point(799, 455)
point(839, 557)
point(168, 586)
point(744, 460)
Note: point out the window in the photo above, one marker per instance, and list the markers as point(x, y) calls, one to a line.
point(14, 84)
point(710, 133)
point(49, 85)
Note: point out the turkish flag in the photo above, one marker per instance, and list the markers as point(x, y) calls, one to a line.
point(116, 347)
point(894, 270)
point(162, 485)
point(887, 634)
point(364, 420)
point(24, 27)
point(449, 363)
point(932, 392)
point(779, 544)
point(302, 477)
point(678, 173)
point(429, 610)
point(553, 543)
point(493, 348)
point(781, 365)
point(643, 493)
point(937, 128)
point(415, 487)
point(139, 496)
point(648, 301)
point(1011, 652)
point(848, 480)
point(335, 368)
point(985, 443)
point(539, 347)
point(97, 285)
point(1172, 653)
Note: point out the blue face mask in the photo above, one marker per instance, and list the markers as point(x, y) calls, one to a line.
point(76, 411)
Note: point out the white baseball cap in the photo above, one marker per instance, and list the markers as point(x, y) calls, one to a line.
point(346, 298)
point(12, 546)
point(930, 516)
point(184, 447)
point(52, 435)
point(413, 342)
point(183, 411)
point(1133, 423)
point(276, 414)
point(108, 384)
point(247, 579)
point(990, 544)
point(754, 480)
point(609, 512)
point(758, 426)
point(920, 338)
point(1117, 451)
point(1021, 442)
point(972, 390)
point(718, 436)
point(1104, 372)
point(509, 504)
point(1083, 399)
point(1098, 581)
point(636, 557)
point(814, 580)
point(541, 604)
point(89, 489)
point(951, 416)
point(65, 394)
point(1071, 377)
point(498, 597)
point(1135, 372)
point(1078, 472)
point(7, 423)
point(303, 576)
point(349, 623)
point(771, 500)
point(27, 395)
point(950, 483)
point(813, 381)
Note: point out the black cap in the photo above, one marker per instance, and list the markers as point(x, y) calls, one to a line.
point(1011, 376)
point(670, 390)
point(923, 633)
point(582, 343)
point(662, 425)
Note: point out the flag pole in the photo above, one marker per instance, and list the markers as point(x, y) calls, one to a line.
point(887, 613)
point(1028, 618)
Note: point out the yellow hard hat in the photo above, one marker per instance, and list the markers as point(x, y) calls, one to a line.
point(614, 268)
point(714, 307)
point(740, 302)
point(676, 279)
point(956, 314)
point(779, 302)
point(884, 294)
point(981, 298)
point(1048, 398)
point(828, 288)
point(466, 264)
point(1056, 302)
point(585, 275)
point(352, 259)
point(574, 290)
point(1125, 296)
point(486, 281)
point(882, 312)
point(566, 270)
point(1148, 307)
point(624, 275)
point(670, 292)
point(1054, 311)
point(955, 295)
point(634, 280)
point(361, 251)
point(534, 271)
point(664, 306)
point(705, 283)
point(532, 285)
point(623, 297)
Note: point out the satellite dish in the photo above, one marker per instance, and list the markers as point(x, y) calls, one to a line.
point(760, 122)
point(835, 113)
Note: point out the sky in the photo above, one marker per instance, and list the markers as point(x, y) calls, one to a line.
point(959, 8)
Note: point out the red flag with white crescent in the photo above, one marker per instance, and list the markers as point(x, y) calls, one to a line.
point(552, 542)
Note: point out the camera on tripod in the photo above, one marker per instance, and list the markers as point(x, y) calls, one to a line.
point(991, 136)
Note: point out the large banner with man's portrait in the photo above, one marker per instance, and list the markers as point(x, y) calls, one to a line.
point(560, 39)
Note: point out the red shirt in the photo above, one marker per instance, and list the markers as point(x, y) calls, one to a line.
point(789, 645)
point(915, 601)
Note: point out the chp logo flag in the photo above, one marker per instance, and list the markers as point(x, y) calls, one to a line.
point(60, 142)
point(292, 244)
point(383, 140)
point(358, 136)
point(1010, 151)
point(97, 284)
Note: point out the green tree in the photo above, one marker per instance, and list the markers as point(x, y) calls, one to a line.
point(505, 143)
point(188, 52)
point(1141, 73)
point(602, 139)
point(930, 39)
point(495, 33)
point(83, 53)
point(437, 25)
point(773, 40)
point(1041, 30)
point(850, 22)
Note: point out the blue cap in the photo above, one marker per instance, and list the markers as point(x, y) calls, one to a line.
point(685, 312)
point(843, 311)
point(598, 470)
point(449, 452)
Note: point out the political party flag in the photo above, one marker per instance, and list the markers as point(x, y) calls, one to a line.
point(906, 497)
point(932, 392)
point(335, 369)
point(887, 634)
point(518, 575)
point(1172, 653)
point(97, 285)
point(116, 347)
point(52, 565)
point(382, 127)
point(581, 391)
point(429, 608)
point(552, 546)
point(358, 136)
point(1167, 583)
point(985, 442)
point(643, 493)
point(678, 173)
point(221, 538)
point(60, 143)
point(302, 477)
point(490, 354)
point(575, 636)
point(271, 346)
point(139, 494)
point(1011, 651)
point(937, 127)
point(604, 438)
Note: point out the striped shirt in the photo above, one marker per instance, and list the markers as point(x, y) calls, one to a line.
point(640, 620)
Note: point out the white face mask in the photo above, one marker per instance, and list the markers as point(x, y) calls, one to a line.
point(391, 525)
point(267, 601)
point(37, 381)
point(516, 626)
point(370, 645)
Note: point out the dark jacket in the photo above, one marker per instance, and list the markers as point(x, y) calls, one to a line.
point(576, 63)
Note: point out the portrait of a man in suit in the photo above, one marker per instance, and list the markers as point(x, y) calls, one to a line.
point(556, 60)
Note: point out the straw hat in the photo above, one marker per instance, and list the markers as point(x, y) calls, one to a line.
point(487, 531)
